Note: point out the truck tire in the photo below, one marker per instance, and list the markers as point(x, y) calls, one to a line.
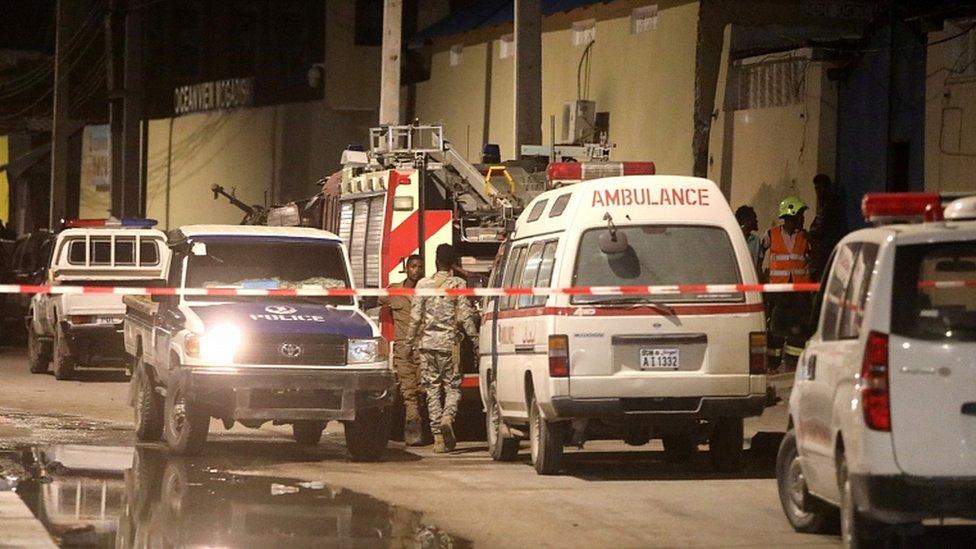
point(500, 447)
point(725, 445)
point(307, 433)
point(546, 441)
point(367, 435)
point(679, 447)
point(37, 359)
point(185, 426)
point(149, 405)
point(64, 365)
point(806, 513)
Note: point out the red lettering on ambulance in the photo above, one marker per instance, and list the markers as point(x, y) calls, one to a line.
point(703, 197)
point(597, 199)
point(691, 197)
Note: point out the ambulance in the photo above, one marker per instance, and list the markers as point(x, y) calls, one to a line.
point(570, 367)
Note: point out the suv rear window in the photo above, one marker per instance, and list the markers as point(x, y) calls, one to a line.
point(926, 311)
point(658, 255)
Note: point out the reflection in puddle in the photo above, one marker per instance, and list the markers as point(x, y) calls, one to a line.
point(142, 497)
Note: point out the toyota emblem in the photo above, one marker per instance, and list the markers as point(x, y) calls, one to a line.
point(280, 310)
point(290, 350)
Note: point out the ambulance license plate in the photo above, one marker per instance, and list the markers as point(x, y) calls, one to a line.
point(659, 359)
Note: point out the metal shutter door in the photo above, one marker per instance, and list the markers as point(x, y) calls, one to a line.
point(374, 241)
point(357, 246)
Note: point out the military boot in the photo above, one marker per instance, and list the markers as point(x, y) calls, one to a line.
point(439, 444)
point(413, 432)
point(447, 431)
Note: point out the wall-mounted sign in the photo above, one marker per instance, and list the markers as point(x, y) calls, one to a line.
point(207, 96)
point(96, 155)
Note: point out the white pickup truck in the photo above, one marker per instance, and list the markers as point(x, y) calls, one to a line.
point(86, 329)
point(254, 359)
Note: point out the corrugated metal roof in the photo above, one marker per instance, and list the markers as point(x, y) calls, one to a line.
point(488, 14)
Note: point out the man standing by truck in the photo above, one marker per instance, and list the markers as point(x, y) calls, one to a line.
point(405, 360)
point(434, 330)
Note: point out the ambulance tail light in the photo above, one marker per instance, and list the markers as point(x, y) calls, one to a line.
point(558, 356)
point(757, 353)
point(875, 397)
point(886, 208)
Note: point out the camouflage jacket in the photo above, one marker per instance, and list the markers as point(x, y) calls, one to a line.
point(434, 320)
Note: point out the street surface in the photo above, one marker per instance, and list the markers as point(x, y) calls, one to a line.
point(610, 495)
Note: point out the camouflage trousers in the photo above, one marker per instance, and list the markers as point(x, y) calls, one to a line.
point(442, 381)
point(408, 372)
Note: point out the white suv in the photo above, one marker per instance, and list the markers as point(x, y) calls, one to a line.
point(883, 409)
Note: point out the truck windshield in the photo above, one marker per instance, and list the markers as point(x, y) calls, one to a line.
point(658, 255)
point(269, 264)
point(934, 285)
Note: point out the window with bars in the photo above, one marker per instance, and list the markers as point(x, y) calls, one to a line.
point(776, 83)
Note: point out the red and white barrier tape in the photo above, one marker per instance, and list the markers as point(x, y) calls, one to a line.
point(697, 289)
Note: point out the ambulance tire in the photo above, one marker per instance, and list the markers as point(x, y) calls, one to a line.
point(38, 357)
point(725, 445)
point(679, 447)
point(367, 435)
point(500, 447)
point(185, 425)
point(546, 441)
point(149, 405)
point(806, 513)
point(307, 433)
point(64, 365)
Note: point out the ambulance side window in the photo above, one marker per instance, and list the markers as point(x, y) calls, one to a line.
point(545, 271)
point(840, 276)
point(514, 260)
point(531, 271)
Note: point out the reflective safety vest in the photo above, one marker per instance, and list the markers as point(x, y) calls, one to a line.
point(788, 265)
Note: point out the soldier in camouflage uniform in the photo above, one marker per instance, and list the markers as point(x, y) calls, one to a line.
point(434, 330)
point(405, 361)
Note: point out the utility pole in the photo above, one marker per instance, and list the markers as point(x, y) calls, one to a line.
point(528, 74)
point(60, 132)
point(126, 108)
point(390, 64)
point(116, 97)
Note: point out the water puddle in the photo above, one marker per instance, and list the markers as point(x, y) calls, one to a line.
point(117, 496)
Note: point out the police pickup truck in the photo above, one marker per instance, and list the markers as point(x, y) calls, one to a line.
point(85, 329)
point(257, 358)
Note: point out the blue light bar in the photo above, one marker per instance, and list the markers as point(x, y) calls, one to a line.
point(139, 223)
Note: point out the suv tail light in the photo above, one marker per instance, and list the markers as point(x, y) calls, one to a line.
point(558, 356)
point(875, 398)
point(757, 353)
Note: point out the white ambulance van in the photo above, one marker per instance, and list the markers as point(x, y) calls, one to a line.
point(683, 367)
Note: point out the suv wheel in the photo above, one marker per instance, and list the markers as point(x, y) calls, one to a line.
point(856, 530)
point(806, 513)
point(307, 433)
point(546, 441)
point(64, 365)
point(185, 425)
point(148, 404)
point(725, 444)
point(500, 447)
point(679, 447)
point(367, 435)
point(37, 359)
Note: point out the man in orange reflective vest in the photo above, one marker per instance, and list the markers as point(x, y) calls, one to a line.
point(788, 261)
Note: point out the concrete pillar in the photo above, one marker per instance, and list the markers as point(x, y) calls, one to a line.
point(390, 65)
point(528, 74)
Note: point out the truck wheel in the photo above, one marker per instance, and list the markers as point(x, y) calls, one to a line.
point(307, 433)
point(367, 435)
point(679, 447)
point(725, 445)
point(149, 404)
point(806, 513)
point(36, 357)
point(500, 447)
point(856, 530)
point(185, 426)
point(546, 440)
point(64, 365)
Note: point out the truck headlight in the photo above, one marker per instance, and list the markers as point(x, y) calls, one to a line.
point(361, 351)
point(217, 345)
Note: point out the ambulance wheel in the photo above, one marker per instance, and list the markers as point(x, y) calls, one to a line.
point(806, 513)
point(546, 441)
point(679, 447)
point(500, 447)
point(725, 444)
point(367, 435)
point(64, 365)
point(186, 425)
point(148, 404)
point(307, 433)
point(37, 358)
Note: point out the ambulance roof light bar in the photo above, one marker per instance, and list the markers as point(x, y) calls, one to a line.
point(915, 207)
point(564, 173)
point(110, 223)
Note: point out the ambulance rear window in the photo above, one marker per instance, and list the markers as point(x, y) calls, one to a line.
point(658, 255)
point(933, 286)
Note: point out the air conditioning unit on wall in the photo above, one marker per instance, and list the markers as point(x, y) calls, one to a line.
point(579, 121)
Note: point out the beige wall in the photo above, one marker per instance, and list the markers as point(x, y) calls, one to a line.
point(950, 121)
point(645, 81)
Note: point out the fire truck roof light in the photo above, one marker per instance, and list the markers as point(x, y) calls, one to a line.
point(882, 208)
point(125, 223)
